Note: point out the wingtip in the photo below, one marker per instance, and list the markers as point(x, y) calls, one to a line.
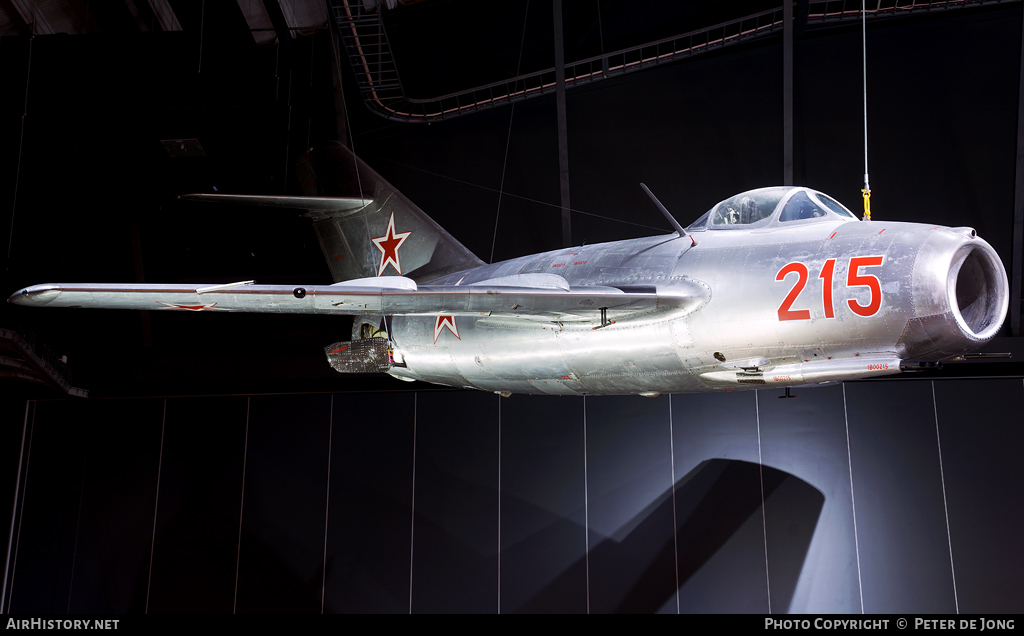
point(35, 295)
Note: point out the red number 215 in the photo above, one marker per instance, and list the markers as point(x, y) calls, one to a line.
point(853, 279)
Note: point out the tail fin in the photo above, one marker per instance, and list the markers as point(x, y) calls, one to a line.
point(389, 236)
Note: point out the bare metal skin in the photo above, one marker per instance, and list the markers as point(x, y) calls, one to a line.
point(774, 287)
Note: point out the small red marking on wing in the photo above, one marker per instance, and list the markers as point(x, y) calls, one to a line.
point(558, 265)
point(189, 307)
point(833, 234)
point(580, 263)
point(883, 229)
point(338, 257)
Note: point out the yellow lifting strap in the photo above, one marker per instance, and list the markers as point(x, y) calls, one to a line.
point(867, 204)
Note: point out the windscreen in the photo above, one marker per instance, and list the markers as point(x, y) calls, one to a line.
point(834, 205)
point(747, 209)
point(801, 207)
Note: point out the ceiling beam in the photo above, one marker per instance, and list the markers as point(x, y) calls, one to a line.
point(28, 12)
point(284, 34)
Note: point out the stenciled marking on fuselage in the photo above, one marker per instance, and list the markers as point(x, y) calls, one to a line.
point(853, 279)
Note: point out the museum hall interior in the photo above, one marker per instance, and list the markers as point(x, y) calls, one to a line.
point(359, 306)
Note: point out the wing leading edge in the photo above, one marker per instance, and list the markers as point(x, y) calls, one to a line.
point(388, 295)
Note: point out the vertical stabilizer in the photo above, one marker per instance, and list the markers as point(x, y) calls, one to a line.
point(388, 237)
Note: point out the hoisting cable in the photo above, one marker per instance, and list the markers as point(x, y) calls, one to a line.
point(864, 51)
point(508, 140)
point(21, 142)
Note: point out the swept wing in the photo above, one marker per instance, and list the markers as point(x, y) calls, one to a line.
point(546, 299)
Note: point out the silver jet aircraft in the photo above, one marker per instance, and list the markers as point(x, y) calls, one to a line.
point(779, 287)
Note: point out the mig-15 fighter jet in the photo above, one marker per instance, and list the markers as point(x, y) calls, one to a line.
point(780, 286)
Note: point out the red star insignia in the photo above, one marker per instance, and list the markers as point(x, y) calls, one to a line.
point(388, 246)
point(445, 322)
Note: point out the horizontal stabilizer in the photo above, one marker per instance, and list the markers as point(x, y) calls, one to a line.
point(331, 206)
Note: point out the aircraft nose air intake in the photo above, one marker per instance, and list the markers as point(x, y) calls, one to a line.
point(976, 287)
point(961, 295)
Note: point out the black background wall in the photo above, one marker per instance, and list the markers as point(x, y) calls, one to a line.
point(893, 496)
point(359, 496)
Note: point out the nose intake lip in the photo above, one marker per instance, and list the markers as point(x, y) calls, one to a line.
point(976, 288)
point(960, 297)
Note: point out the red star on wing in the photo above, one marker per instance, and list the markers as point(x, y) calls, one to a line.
point(445, 322)
point(388, 246)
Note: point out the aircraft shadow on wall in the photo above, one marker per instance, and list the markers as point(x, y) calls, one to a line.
point(717, 550)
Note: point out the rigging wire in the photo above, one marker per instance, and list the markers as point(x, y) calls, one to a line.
point(352, 144)
point(21, 142)
point(508, 140)
point(202, 22)
point(864, 52)
point(551, 205)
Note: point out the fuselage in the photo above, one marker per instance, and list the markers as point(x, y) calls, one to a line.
point(808, 301)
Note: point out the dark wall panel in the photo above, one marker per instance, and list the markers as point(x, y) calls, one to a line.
point(980, 423)
point(12, 424)
point(369, 535)
point(629, 493)
point(722, 570)
point(806, 437)
point(13, 499)
point(55, 454)
point(87, 529)
point(455, 544)
point(901, 523)
point(195, 553)
point(543, 520)
point(115, 534)
point(285, 505)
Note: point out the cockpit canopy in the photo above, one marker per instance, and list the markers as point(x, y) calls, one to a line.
point(759, 208)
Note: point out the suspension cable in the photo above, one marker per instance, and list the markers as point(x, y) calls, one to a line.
point(864, 51)
point(508, 140)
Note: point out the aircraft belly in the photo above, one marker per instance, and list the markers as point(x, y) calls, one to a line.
point(625, 359)
point(425, 361)
point(543, 358)
point(488, 357)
